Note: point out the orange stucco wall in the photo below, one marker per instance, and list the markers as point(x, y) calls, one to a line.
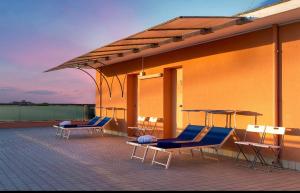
point(290, 42)
point(234, 73)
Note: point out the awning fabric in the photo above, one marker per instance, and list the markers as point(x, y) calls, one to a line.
point(170, 32)
point(183, 32)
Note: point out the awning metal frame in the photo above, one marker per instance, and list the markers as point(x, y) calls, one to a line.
point(122, 85)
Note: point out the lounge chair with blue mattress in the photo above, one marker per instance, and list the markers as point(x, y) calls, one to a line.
point(214, 138)
point(92, 129)
point(190, 133)
point(91, 122)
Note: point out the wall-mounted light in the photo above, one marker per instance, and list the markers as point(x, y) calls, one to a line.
point(143, 77)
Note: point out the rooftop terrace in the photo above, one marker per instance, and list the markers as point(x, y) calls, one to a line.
point(34, 159)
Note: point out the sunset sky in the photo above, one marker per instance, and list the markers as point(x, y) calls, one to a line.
point(36, 35)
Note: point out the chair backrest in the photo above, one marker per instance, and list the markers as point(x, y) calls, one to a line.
point(141, 118)
point(216, 136)
point(93, 120)
point(190, 132)
point(271, 130)
point(153, 120)
point(259, 129)
point(152, 123)
point(256, 128)
point(275, 130)
point(141, 121)
point(103, 122)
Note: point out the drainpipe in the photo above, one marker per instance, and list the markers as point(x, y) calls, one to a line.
point(277, 78)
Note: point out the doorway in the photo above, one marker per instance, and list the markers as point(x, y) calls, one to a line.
point(177, 100)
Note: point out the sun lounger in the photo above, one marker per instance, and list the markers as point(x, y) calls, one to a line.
point(190, 133)
point(214, 138)
point(92, 129)
point(59, 128)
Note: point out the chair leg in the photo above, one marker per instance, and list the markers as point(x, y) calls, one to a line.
point(102, 132)
point(241, 152)
point(64, 133)
point(154, 157)
point(276, 161)
point(217, 153)
point(258, 156)
point(166, 165)
point(68, 134)
point(57, 132)
point(133, 152)
point(169, 160)
point(255, 157)
point(202, 154)
point(145, 154)
point(192, 153)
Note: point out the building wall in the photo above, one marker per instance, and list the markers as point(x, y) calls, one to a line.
point(290, 39)
point(234, 73)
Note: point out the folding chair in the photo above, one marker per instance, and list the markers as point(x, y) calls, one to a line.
point(151, 127)
point(258, 129)
point(138, 129)
point(275, 148)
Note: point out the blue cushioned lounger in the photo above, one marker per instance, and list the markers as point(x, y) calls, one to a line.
point(99, 124)
point(59, 129)
point(188, 134)
point(91, 122)
point(98, 127)
point(215, 138)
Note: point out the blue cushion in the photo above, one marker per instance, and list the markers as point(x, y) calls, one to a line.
point(158, 140)
point(190, 132)
point(103, 121)
point(215, 136)
point(93, 120)
point(69, 126)
point(100, 124)
point(169, 144)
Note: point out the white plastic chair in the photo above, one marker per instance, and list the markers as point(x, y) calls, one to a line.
point(139, 128)
point(151, 127)
point(275, 148)
point(258, 129)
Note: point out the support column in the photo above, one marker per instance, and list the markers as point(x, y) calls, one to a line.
point(132, 102)
point(167, 103)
